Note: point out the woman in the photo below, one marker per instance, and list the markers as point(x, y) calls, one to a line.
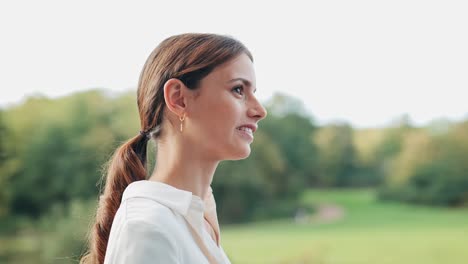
point(196, 100)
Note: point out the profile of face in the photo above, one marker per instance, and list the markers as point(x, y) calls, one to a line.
point(224, 113)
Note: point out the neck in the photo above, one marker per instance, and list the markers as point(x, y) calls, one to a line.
point(183, 168)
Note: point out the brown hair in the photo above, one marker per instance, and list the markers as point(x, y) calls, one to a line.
point(187, 57)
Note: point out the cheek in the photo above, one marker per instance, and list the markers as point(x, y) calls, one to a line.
point(220, 117)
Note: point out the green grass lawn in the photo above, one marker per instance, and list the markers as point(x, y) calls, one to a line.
point(370, 232)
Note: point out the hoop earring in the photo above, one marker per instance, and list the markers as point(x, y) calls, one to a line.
point(182, 122)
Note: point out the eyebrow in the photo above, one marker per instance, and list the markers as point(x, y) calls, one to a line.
point(244, 81)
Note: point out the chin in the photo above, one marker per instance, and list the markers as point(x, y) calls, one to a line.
point(241, 154)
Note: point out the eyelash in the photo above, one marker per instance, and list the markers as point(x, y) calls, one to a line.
point(238, 87)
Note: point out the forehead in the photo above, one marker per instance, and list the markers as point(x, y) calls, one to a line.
point(239, 67)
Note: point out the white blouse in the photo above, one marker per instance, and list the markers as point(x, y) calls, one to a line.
point(158, 223)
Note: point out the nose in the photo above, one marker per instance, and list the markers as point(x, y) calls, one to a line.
point(256, 110)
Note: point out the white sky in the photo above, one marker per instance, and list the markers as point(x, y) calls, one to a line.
point(365, 62)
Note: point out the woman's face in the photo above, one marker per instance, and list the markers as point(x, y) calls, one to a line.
point(223, 116)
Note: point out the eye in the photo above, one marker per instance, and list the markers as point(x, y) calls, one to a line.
point(238, 89)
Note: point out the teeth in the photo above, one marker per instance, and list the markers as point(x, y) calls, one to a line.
point(247, 129)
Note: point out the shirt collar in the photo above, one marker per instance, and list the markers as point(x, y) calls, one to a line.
point(179, 200)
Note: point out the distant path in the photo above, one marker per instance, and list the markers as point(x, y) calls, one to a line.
point(326, 213)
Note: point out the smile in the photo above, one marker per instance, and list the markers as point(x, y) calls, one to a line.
point(246, 132)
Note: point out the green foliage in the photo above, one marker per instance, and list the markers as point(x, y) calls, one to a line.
point(337, 156)
point(3, 137)
point(58, 236)
point(64, 231)
point(439, 174)
point(390, 147)
point(57, 147)
point(3, 159)
point(292, 130)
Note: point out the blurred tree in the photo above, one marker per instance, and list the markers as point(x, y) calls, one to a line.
point(292, 129)
point(41, 180)
point(366, 142)
point(414, 149)
point(242, 187)
point(337, 155)
point(281, 105)
point(431, 168)
point(60, 155)
point(20, 122)
point(3, 159)
point(388, 149)
point(3, 136)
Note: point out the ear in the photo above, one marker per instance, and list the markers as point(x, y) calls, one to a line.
point(175, 96)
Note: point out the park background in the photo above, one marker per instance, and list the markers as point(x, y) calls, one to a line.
point(363, 157)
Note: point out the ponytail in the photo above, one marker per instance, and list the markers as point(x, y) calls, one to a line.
point(128, 164)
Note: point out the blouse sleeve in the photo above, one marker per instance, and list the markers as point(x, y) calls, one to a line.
point(141, 242)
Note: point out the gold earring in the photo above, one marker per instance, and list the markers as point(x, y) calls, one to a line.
point(182, 122)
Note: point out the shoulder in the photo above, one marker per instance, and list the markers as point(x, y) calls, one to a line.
point(139, 230)
point(142, 237)
point(149, 211)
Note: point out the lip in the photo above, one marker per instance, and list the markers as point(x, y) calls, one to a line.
point(251, 126)
point(245, 135)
